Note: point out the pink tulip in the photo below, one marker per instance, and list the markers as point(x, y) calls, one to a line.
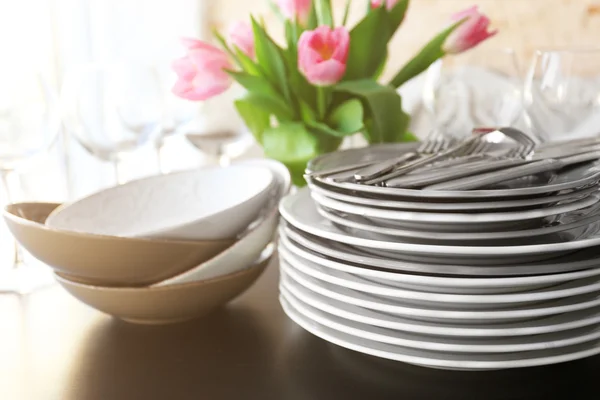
point(389, 4)
point(241, 35)
point(322, 54)
point(470, 33)
point(296, 9)
point(201, 73)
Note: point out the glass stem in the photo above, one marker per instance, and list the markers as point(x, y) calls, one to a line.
point(117, 169)
point(159, 157)
point(67, 163)
point(4, 185)
point(222, 158)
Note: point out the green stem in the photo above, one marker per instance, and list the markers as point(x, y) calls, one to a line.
point(321, 102)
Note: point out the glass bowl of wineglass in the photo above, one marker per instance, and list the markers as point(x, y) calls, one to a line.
point(218, 133)
point(29, 126)
point(562, 93)
point(112, 110)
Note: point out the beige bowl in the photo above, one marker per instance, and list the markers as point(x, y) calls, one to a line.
point(104, 260)
point(167, 304)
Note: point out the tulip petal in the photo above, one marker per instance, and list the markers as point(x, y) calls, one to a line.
point(342, 38)
point(326, 73)
point(183, 68)
point(473, 10)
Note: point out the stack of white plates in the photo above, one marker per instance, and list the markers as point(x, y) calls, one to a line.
point(504, 277)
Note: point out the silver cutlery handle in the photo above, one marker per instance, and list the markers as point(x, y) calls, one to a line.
point(442, 175)
point(490, 178)
point(405, 169)
point(375, 170)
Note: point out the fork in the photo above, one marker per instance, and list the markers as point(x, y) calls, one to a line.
point(459, 168)
point(429, 147)
point(466, 148)
point(462, 149)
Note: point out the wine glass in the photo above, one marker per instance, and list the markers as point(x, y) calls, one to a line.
point(177, 112)
point(562, 93)
point(220, 141)
point(478, 89)
point(29, 126)
point(112, 110)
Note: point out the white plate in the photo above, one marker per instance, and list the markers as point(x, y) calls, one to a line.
point(443, 344)
point(400, 296)
point(577, 261)
point(537, 202)
point(300, 211)
point(569, 178)
point(189, 205)
point(442, 313)
point(430, 220)
point(445, 360)
point(572, 226)
point(433, 283)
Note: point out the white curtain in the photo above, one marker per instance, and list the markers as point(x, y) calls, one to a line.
point(54, 35)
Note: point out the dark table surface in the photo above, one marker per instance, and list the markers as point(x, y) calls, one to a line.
point(54, 348)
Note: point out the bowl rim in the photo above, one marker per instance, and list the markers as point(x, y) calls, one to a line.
point(8, 214)
point(261, 264)
point(270, 183)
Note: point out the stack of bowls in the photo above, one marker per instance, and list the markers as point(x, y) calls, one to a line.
point(499, 277)
point(161, 249)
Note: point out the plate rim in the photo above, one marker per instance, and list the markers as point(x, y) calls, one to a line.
point(479, 193)
point(438, 281)
point(431, 268)
point(457, 218)
point(450, 206)
point(469, 364)
point(340, 279)
point(409, 311)
point(466, 348)
point(290, 202)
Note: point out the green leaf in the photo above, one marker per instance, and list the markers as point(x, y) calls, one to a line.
point(427, 56)
point(347, 118)
point(396, 15)
point(225, 46)
point(313, 22)
point(324, 13)
point(256, 119)
point(297, 83)
point(290, 142)
point(346, 12)
point(294, 145)
point(368, 45)
point(275, 9)
point(255, 84)
point(307, 113)
point(323, 129)
point(246, 63)
point(291, 37)
point(268, 55)
point(409, 137)
point(263, 95)
point(385, 122)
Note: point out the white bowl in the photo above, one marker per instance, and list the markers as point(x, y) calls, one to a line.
point(203, 204)
point(243, 253)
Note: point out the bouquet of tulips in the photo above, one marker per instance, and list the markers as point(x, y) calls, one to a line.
point(305, 96)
